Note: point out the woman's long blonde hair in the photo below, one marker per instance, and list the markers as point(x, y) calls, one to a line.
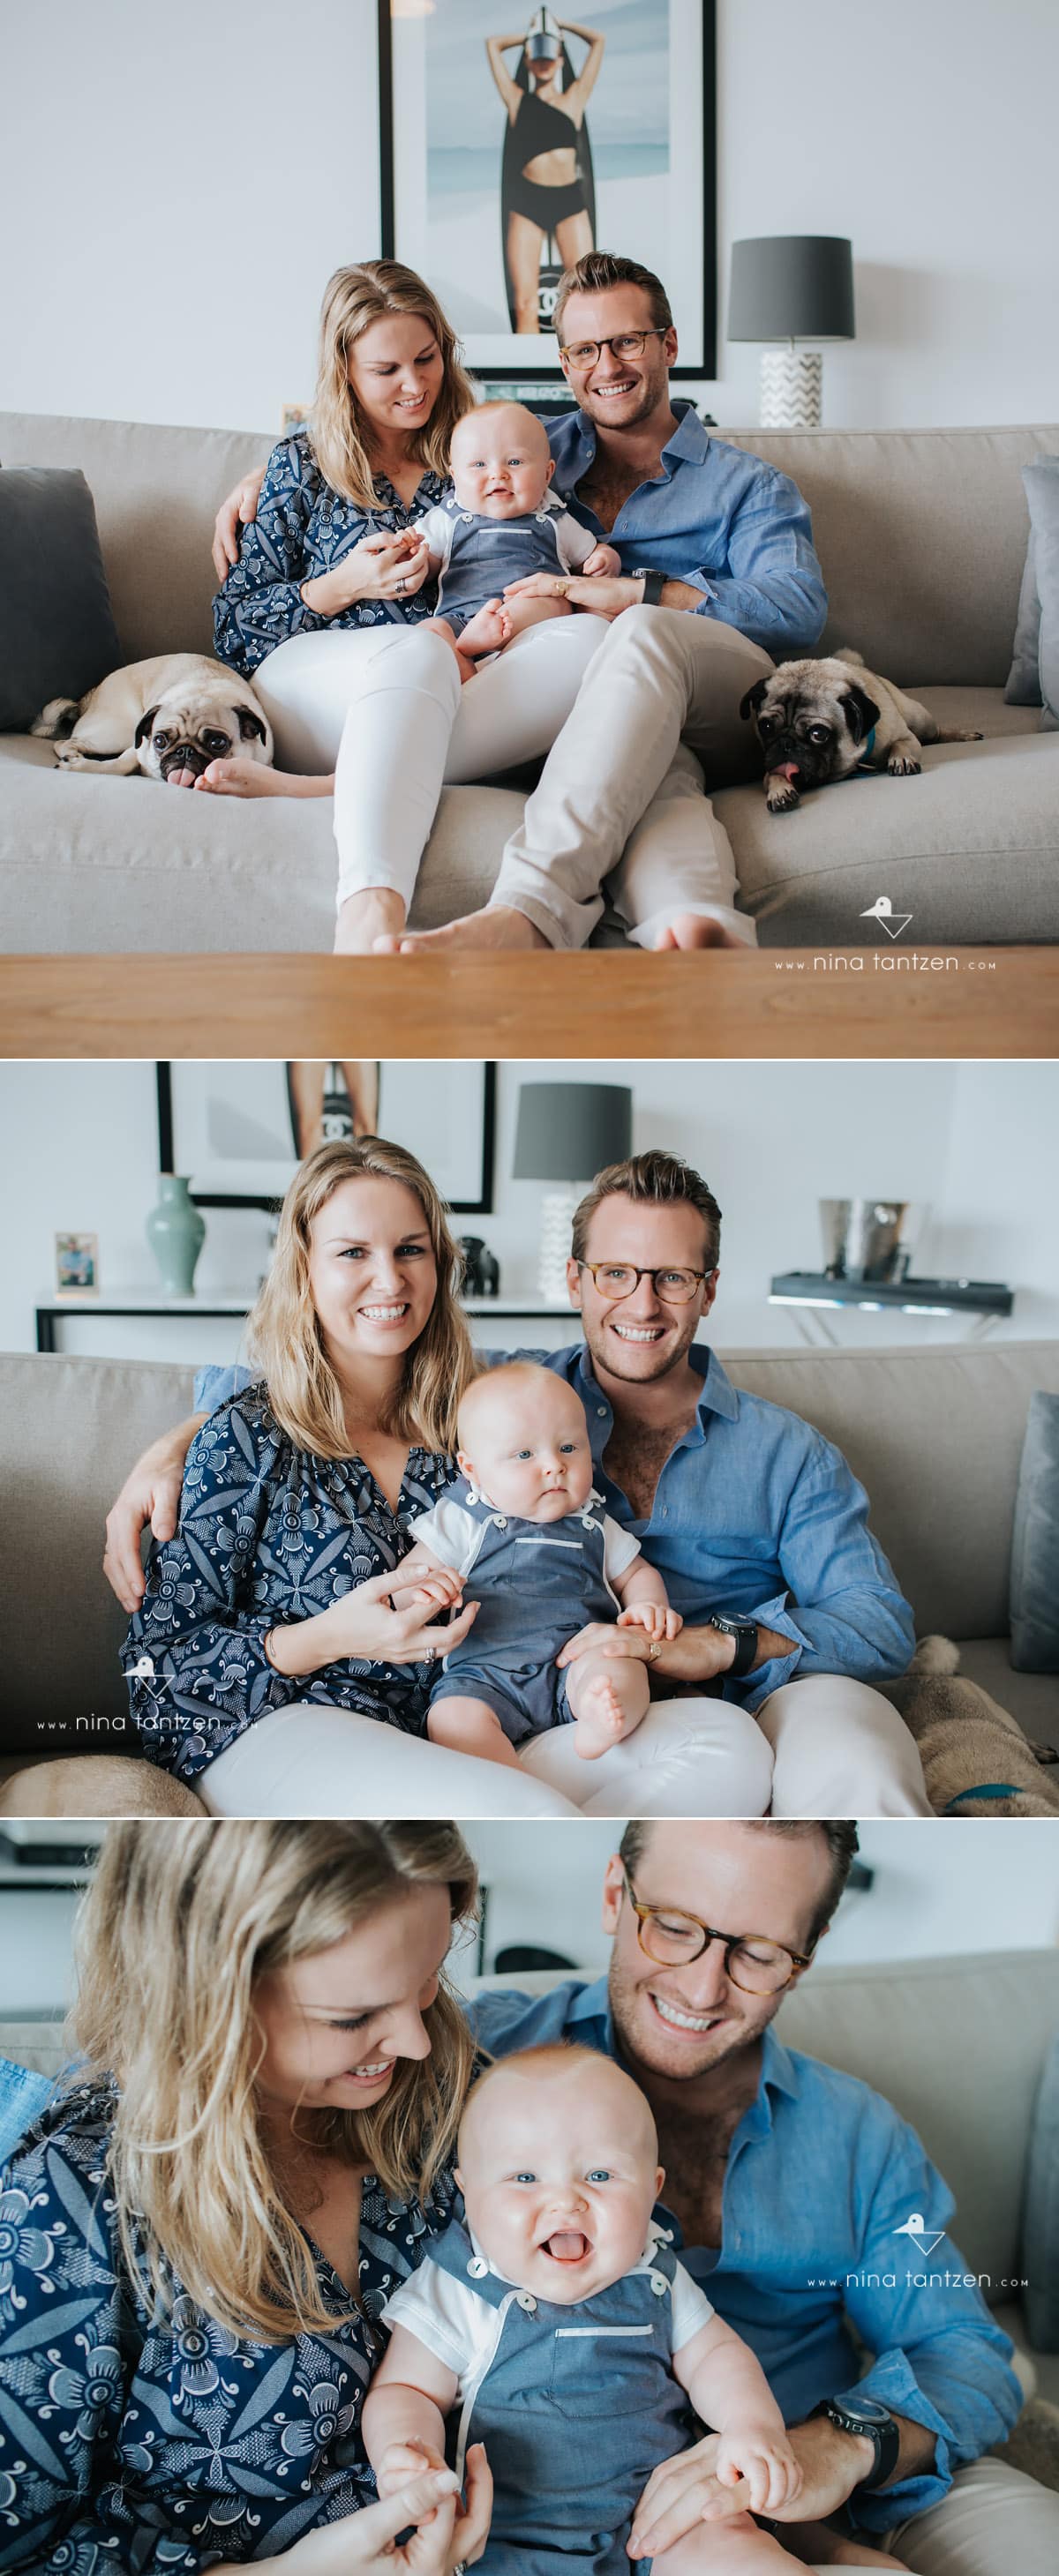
point(284, 1335)
point(355, 298)
point(180, 1922)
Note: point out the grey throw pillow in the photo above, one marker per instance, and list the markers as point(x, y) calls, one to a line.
point(1034, 675)
point(1035, 1544)
point(57, 632)
point(1040, 2231)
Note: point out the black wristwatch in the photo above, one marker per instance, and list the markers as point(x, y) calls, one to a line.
point(863, 2415)
point(745, 1632)
point(653, 585)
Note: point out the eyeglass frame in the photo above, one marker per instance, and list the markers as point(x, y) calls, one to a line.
point(657, 331)
point(710, 1934)
point(653, 1275)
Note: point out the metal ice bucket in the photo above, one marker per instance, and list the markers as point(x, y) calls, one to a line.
point(870, 1238)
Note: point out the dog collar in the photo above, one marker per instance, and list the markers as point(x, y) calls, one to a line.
point(864, 767)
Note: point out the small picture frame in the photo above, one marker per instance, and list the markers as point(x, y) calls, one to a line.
point(294, 416)
point(77, 1265)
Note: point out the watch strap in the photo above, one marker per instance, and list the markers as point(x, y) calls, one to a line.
point(745, 1633)
point(653, 585)
point(880, 2430)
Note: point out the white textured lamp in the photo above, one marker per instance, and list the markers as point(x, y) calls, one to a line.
point(788, 287)
point(567, 1131)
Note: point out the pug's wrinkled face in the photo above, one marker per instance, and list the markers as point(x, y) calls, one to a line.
point(177, 739)
point(811, 720)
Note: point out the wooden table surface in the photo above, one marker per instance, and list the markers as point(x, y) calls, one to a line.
point(766, 1002)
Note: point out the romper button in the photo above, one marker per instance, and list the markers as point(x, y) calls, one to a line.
point(601, 1410)
point(477, 2268)
point(659, 2284)
point(527, 2301)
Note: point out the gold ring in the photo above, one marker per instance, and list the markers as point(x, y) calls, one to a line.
point(653, 1653)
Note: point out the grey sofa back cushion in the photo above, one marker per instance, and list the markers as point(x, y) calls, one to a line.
point(1040, 2240)
point(57, 632)
point(915, 1426)
point(921, 533)
point(1035, 1544)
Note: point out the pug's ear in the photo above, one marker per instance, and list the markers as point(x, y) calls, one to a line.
point(750, 704)
point(144, 726)
point(860, 711)
point(250, 724)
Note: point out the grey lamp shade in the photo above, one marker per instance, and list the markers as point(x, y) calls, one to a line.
point(792, 286)
point(568, 1131)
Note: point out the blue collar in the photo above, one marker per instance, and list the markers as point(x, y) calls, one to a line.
point(718, 1394)
point(864, 765)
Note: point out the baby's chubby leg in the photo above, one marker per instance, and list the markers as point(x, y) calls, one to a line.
point(609, 1696)
point(470, 1726)
point(500, 620)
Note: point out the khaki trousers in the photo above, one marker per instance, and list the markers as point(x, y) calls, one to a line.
point(994, 2521)
point(615, 801)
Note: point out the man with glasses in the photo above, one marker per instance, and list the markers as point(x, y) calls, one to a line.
point(719, 579)
point(787, 2179)
point(756, 1523)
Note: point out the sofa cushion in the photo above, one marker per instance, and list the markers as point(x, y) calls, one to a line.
point(1042, 492)
point(970, 849)
point(1035, 1544)
point(57, 632)
point(1032, 1698)
point(1040, 2236)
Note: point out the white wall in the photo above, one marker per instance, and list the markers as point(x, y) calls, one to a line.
point(544, 1888)
point(78, 1152)
point(246, 136)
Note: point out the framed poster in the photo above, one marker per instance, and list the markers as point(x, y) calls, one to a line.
point(505, 158)
point(239, 1130)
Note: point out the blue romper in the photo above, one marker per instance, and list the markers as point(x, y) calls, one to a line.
point(488, 553)
point(536, 1587)
point(576, 2406)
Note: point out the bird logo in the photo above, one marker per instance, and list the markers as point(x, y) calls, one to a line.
point(883, 912)
point(916, 2229)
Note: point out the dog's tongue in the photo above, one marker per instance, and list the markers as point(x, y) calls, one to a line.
point(786, 769)
point(567, 2247)
point(181, 778)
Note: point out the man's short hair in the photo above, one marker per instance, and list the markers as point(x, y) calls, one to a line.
point(655, 1179)
point(602, 268)
point(841, 1840)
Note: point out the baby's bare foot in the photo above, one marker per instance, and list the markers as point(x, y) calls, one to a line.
point(601, 1720)
point(366, 918)
point(242, 776)
point(488, 630)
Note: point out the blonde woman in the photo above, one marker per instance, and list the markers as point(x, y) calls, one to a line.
point(331, 582)
point(266, 1650)
point(206, 2218)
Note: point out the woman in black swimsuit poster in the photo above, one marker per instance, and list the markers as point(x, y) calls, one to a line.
point(547, 192)
point(507, 156)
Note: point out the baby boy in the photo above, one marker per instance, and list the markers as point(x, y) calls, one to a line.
point(543, 1559)
point(573, 2344)
point(498, 526)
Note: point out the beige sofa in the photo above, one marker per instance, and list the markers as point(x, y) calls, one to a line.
point(922, 536)
point(935, 1436)
point(959, 2045)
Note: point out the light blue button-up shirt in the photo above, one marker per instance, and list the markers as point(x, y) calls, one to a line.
point(754, 1514)
point(726, 523)
point(821, 2175)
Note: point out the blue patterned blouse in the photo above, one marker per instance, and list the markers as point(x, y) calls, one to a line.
point(170, 2446)
point(267, 1533)
point(302, 529)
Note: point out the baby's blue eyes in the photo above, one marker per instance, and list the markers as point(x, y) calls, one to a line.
point(601, 2174)
point(525, 2177)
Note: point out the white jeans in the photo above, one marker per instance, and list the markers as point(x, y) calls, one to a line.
point(384, 708)
point(689, 1757)
point(822, 1747)
point(994, 2521)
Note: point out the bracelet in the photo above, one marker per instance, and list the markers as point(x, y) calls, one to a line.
point(266, 1644)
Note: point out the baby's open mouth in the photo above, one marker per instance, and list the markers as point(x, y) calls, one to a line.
point(568, 2246)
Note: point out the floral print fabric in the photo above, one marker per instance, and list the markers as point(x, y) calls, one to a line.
point(129, 2443)
point(267, 1533)
point(302, 529)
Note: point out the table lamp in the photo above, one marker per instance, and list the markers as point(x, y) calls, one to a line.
point(567, 1132)
point(791, 286)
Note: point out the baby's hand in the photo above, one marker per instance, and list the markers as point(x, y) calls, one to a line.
point(602, 559)
point(404, 2460)
point(660, 1621)
point(767, 2462)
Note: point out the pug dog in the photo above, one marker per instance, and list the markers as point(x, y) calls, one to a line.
point(169, 717)
point(817, 721)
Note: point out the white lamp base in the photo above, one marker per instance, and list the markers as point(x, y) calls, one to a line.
point(557, 1217)
point(791, 388)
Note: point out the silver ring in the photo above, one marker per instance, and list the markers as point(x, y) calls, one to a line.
point(401, 588)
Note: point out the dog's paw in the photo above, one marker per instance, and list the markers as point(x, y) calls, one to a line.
point(901, 764)
point(782, 799)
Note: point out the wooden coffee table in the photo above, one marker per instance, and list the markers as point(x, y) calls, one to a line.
point(767, 1002)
